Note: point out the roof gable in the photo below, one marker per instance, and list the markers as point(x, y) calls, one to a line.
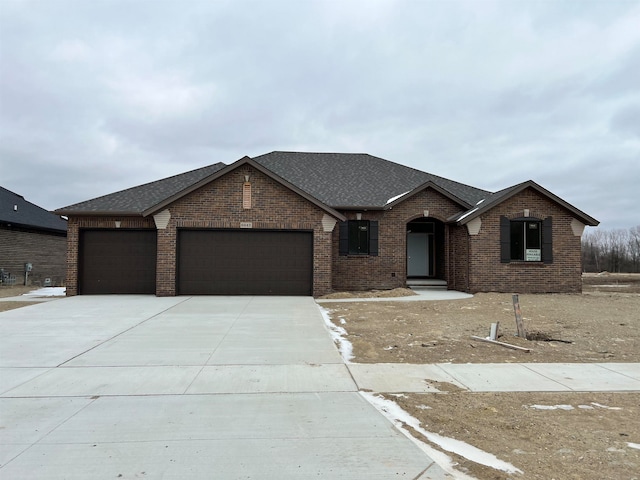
point(15, 210)
point(392, 202)
point(243, 161)
point(507, 193)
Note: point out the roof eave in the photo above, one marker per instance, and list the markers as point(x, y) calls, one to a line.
point(96, 213)
point(34, 227)
point(362, 208)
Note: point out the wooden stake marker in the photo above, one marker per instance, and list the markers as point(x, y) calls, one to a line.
point(522, 333)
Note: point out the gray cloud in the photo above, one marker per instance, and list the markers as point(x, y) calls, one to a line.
point(100, 96)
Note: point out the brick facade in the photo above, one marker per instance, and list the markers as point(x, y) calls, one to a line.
point(45, 251)
point(458, 277)
point(389, 268)
point(486, 273)
point(218, 205)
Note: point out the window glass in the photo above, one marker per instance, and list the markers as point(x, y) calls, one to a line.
point(358, 237)
point(517, 241)
point(526, 241)
point(533, 234)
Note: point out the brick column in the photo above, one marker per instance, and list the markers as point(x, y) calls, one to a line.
point(73, 239)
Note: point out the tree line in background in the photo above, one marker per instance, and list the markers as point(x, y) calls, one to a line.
point(616, 251)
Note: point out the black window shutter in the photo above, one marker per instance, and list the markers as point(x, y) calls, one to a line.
point(547, 240)
point(373, 238)
point(505, 240)
point(343, 242)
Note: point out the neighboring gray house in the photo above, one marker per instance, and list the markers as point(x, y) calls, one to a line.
point(31, 235)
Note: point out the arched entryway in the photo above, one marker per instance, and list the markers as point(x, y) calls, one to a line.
point(425, 249)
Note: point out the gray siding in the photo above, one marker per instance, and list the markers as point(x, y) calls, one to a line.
point(47, 253)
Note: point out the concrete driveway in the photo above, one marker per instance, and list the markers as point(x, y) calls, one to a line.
point(187, 387)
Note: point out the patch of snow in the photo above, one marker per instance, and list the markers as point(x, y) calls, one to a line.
point(468, 213)
point(614, 449)
point(338, 334)
point(586, 407)
point(343, 321)
point(47, 292)
point(480, 202)
point(393, 199)
point(605, 407)
point(390, 347)
point(633, 445)
point(398, 416)
point(551, 407)
point(423, 407)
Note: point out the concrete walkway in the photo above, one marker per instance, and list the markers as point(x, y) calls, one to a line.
point(187, 387)
point(422, 294)
point(498, 377)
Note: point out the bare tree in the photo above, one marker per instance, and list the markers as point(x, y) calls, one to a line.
point(612, 250)
point(633, 247)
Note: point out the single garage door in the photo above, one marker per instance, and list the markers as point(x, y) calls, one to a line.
point(245, 262)
point(117, 261)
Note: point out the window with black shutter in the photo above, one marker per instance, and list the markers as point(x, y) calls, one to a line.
point(526, 240)
point(358, 237)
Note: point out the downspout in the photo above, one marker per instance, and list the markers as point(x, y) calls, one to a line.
point(468, 261)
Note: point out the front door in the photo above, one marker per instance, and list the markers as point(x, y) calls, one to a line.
point(417, 254)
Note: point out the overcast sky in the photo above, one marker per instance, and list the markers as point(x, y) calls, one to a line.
point(98, 95)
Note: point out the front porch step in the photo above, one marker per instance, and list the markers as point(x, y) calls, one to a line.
point(427, 283)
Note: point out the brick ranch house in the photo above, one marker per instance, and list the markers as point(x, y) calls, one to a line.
point(289, 223)
point(31, 235)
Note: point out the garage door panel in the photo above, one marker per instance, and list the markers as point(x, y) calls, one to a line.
point(117, 261)
point(237, 262)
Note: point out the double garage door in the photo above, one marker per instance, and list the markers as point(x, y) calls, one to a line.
point(209, 262)
point(245, 262)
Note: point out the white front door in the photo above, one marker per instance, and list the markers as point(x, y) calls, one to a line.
point(417, 254)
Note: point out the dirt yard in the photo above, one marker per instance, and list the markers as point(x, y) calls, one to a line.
point(13, 291)
point(586, 436)
point(601, 325)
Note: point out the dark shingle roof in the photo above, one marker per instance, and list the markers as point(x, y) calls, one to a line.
point(357, 179)
point(348, 180)
point(15, 210)
point(135, 200)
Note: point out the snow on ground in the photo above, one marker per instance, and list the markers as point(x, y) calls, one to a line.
point(634, 445)
point(338, 334)
point(605, 407)
point(47, 292)
point(570, 407)
point(398, 416)
point(551, 407)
